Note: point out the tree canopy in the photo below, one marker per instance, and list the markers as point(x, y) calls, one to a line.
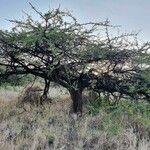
point(59, 49)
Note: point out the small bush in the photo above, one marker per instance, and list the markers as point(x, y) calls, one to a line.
point(95, 105)
point(31, 95)
point(15, 80)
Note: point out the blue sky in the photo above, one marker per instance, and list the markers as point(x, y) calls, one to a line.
point(132, 15)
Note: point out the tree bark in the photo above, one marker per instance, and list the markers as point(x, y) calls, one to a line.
point(45, 92)
point(76, 96)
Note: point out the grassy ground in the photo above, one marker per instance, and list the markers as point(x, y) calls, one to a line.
point(52, 127)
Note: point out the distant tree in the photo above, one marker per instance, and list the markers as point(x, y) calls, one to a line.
point(59, 49)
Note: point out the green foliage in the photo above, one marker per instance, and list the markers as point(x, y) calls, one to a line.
point(94, 106)
point(146, 75)
point(116, 118)
point(16, 81)
point(59, 49)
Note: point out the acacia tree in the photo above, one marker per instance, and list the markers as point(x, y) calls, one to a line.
point(58, 48)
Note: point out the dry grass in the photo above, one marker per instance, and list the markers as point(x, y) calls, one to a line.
point(51, 127)
point(7, 97)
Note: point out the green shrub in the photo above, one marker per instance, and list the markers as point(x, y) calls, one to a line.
point(16, 81)
point(116, 118)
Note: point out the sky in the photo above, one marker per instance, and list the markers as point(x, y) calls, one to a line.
point(131, 15)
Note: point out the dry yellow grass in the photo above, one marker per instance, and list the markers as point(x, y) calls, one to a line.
point(51, 127)
point(6, 99)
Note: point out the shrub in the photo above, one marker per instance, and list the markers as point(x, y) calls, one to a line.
point(15, 80)
point(31, 95)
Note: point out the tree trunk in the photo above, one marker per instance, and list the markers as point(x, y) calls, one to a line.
point(76, 96)
point(45, 92)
